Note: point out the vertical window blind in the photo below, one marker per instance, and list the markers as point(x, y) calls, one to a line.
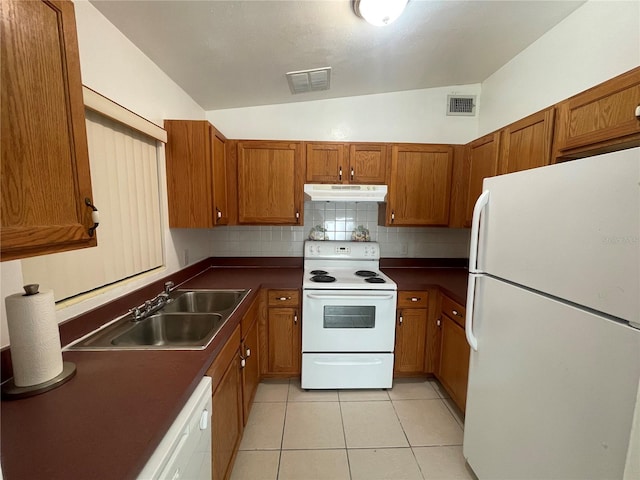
point(124, 177)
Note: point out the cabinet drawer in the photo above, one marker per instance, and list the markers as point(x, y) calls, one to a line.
point(284, 298)
point(412, 298)
point(224, 358)
point(453, 310)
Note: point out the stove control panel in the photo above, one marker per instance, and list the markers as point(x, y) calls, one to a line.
point(342, 250)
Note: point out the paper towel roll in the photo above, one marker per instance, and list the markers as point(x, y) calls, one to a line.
point(36, 354)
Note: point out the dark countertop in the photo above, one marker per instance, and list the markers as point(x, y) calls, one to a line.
point(106, 422)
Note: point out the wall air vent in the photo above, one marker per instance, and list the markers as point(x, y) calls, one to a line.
point(463, 105)
point(312, 80)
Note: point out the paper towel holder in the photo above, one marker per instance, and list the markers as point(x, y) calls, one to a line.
point(10, 391)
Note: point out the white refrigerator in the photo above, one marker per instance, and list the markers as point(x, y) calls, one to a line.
point(554, 291)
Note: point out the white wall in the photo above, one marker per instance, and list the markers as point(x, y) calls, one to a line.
point(114, 67)
point(411, 116)
point(600, 40)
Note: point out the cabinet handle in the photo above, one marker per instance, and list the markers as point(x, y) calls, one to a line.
point(456, 313)
point(248, 352)
point(95, 216)
point(295, 318)
point(400, 319)
point(218, 213)
point(352, 173)
point(297, 216)
point(439, 322)
point(283, 299)
point(415, 299)
point(340, 172)
point(638, 112)
point(243, 363)
point(393, 216)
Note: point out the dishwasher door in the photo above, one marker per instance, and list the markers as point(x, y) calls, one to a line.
point(185, 450)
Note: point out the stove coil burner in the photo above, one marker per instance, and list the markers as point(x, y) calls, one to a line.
point(319, 272)
point(375, 280)
point(366, 273)
point(323, 278)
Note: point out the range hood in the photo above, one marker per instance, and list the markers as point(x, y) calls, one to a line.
point(344, 193)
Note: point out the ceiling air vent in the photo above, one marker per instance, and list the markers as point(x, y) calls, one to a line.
point(461, 105)
point(312, 80)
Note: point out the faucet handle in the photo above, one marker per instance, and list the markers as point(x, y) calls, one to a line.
point(168, 286)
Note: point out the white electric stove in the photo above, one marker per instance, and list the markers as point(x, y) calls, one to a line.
point(349, 311)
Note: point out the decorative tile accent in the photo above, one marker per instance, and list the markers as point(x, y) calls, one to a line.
point(340, 219)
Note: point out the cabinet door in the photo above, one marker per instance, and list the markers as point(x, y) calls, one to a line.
point(219, 161)
point(527, 143)
point(251, 370)
point(189, 173)
point(411, 335)
point(367, 163)
point(285, 343)
point(483, 162)
point(270, 183)
point(454, 361)
point(420, 185)
point(226, 420)
point(326, 162)
point(603, 115)
point(45, 161)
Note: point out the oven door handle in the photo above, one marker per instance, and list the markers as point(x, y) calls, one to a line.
point(364, 296)
point(348, 363)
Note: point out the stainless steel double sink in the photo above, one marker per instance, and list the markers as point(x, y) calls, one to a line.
point(189, 321)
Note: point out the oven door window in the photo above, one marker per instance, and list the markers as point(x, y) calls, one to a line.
point(345, 316)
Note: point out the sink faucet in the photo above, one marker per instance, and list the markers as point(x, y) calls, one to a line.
point(150, 307)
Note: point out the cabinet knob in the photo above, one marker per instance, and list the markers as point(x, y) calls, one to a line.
point(248, 352)
point(638, 112)
point(456, 313)
point(295, 318)
point(415, 299)
point(393, 216)
point(297, 216)
point(439, 321)
point(400, 319)
point(218, 213)
point(243, 363)
point(352, 173)
point(95, 216)
point(340, 172)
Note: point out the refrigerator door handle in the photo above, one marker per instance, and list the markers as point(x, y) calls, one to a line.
point(482, 202)
point(468, 324)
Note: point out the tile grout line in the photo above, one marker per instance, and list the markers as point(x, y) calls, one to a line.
point(284, 423)
point(344, 436)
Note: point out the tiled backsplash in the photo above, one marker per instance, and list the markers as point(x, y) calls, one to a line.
point(340, 219)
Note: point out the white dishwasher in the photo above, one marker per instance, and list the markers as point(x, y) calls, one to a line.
point(185, 450)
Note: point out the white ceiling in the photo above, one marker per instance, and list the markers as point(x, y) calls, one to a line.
point(228, 54)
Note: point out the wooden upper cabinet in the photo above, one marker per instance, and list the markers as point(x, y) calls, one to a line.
point(326, 162)
point(45, 161)
point(360, 163)
point(420, 185)
point(483, 156)
point(220, 192)
point(600, 119)
point(196, 174)
point(270, 182)
point(526, 143)
point(368, 163)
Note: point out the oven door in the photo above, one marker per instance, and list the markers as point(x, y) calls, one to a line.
point(348, 320)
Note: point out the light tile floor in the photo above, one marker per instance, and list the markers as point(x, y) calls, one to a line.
point(412, 431)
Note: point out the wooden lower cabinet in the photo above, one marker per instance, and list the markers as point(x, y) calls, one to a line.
point(226, 415)
point(251, 355)
point(411, 333)
point(453, 368)
point(284, 332)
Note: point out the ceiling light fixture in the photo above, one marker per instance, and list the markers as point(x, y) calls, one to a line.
point(379, 12)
